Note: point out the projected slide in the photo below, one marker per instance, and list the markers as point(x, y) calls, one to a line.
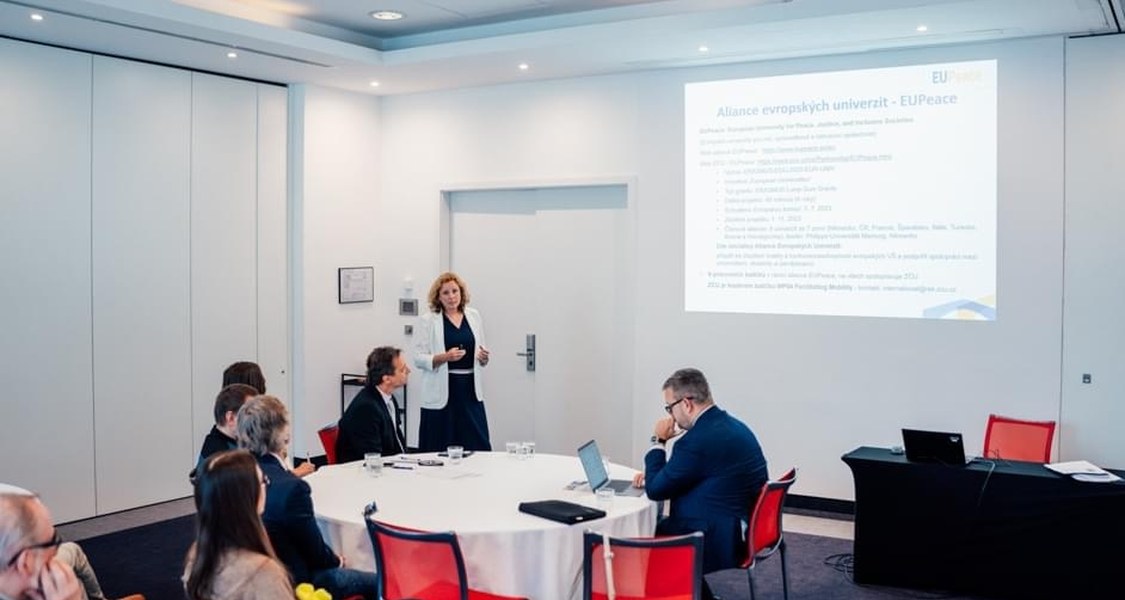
point(865, 193)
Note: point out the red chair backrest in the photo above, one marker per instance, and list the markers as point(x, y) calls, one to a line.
point(764, 533)
point(328, 440)
point(1017, 439)
point(669, 568)
point(416, 564)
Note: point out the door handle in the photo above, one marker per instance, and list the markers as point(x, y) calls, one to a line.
point(529, 354)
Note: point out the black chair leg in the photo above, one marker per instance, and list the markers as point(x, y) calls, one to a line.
point(784, 573)
point(750, 576)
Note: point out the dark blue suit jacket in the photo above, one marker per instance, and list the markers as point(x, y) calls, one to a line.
point(716, 471)
point(367, 426)
point(291, 524)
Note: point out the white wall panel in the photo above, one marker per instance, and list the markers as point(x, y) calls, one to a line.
point(142, 317)
point(1094, 325)
point(273, 263)
point(223, 236)
point(46, 403)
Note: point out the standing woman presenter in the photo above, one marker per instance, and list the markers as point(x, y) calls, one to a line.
point(449, 351)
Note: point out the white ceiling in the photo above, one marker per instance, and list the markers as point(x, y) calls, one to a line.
point(444, 44)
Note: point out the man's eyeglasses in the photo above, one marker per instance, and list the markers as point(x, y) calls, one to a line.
point(668, 407)
point(52, 543)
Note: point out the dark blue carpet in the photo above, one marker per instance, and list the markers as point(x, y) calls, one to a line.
point(817, 570)
point(145, 560)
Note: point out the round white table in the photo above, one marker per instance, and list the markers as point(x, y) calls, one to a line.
point(506, 551)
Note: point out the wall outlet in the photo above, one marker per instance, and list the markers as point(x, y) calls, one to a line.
point(1086, 378)
point(408, 329)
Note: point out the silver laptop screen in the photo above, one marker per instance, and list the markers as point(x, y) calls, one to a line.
point(591, 460)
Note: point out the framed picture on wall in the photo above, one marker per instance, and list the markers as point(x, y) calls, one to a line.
point(356, 284)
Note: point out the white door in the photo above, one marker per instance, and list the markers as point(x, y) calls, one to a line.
point(553, 263)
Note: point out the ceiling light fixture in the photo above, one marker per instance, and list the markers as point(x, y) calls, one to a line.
point(921, 29)
point(36, 17)
point(232, 55)
point(524, 66)
point(386, 15)
point(374, 84)
point(704, 49)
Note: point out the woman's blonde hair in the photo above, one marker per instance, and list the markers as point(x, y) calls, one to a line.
point(435, 291)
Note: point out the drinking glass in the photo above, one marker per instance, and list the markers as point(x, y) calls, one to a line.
point(373, 464)
point(513, 449)
point(455, 453)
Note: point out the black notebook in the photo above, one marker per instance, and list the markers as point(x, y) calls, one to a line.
point(561, 511)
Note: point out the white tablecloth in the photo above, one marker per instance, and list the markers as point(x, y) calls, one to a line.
point(506, 551)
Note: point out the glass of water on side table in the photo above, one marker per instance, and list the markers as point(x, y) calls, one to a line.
point(373, 464)
point(513, 449)
point(527, 450)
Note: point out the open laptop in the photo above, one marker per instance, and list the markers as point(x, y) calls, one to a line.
point(596, 475)
point(942, 447)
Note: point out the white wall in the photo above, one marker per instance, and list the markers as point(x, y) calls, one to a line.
point(1094, 331)
point(143, 214)
point(338, 221)
point(813, 388)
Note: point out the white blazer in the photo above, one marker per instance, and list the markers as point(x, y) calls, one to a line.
point(429, 339)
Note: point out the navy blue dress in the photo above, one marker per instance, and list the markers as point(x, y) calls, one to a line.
point(463, 421)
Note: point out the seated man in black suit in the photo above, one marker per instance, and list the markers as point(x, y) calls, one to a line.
point(224, 433)
point(263, 429)
point(715, 471)
point(369, 424)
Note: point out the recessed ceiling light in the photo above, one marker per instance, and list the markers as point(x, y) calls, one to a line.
point(704, 49)
point(232, 55)
point(524, 66)
point(921, 29)
point(374, 84)
point(36, 17)
point(386, 15)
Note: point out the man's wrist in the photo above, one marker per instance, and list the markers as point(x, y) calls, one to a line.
point(655, 439)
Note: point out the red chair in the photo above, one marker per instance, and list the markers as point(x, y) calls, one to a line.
point(764, 535)
point(419, 565)
point(664, 568)
point(1017, 439)
point(328, 436)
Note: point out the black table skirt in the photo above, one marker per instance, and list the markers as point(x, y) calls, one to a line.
point(1006, 529)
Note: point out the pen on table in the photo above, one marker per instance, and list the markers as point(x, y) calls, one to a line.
point(404, 467)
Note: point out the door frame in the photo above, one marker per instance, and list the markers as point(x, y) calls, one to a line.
point(628, 287)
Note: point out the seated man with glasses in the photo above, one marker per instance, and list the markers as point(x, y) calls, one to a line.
point(29, 567)
point(715, 472)
point(23, 515)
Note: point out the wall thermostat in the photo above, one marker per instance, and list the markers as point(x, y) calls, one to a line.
point(408, 307)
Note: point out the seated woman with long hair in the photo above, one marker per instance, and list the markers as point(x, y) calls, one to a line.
point(232, 558)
